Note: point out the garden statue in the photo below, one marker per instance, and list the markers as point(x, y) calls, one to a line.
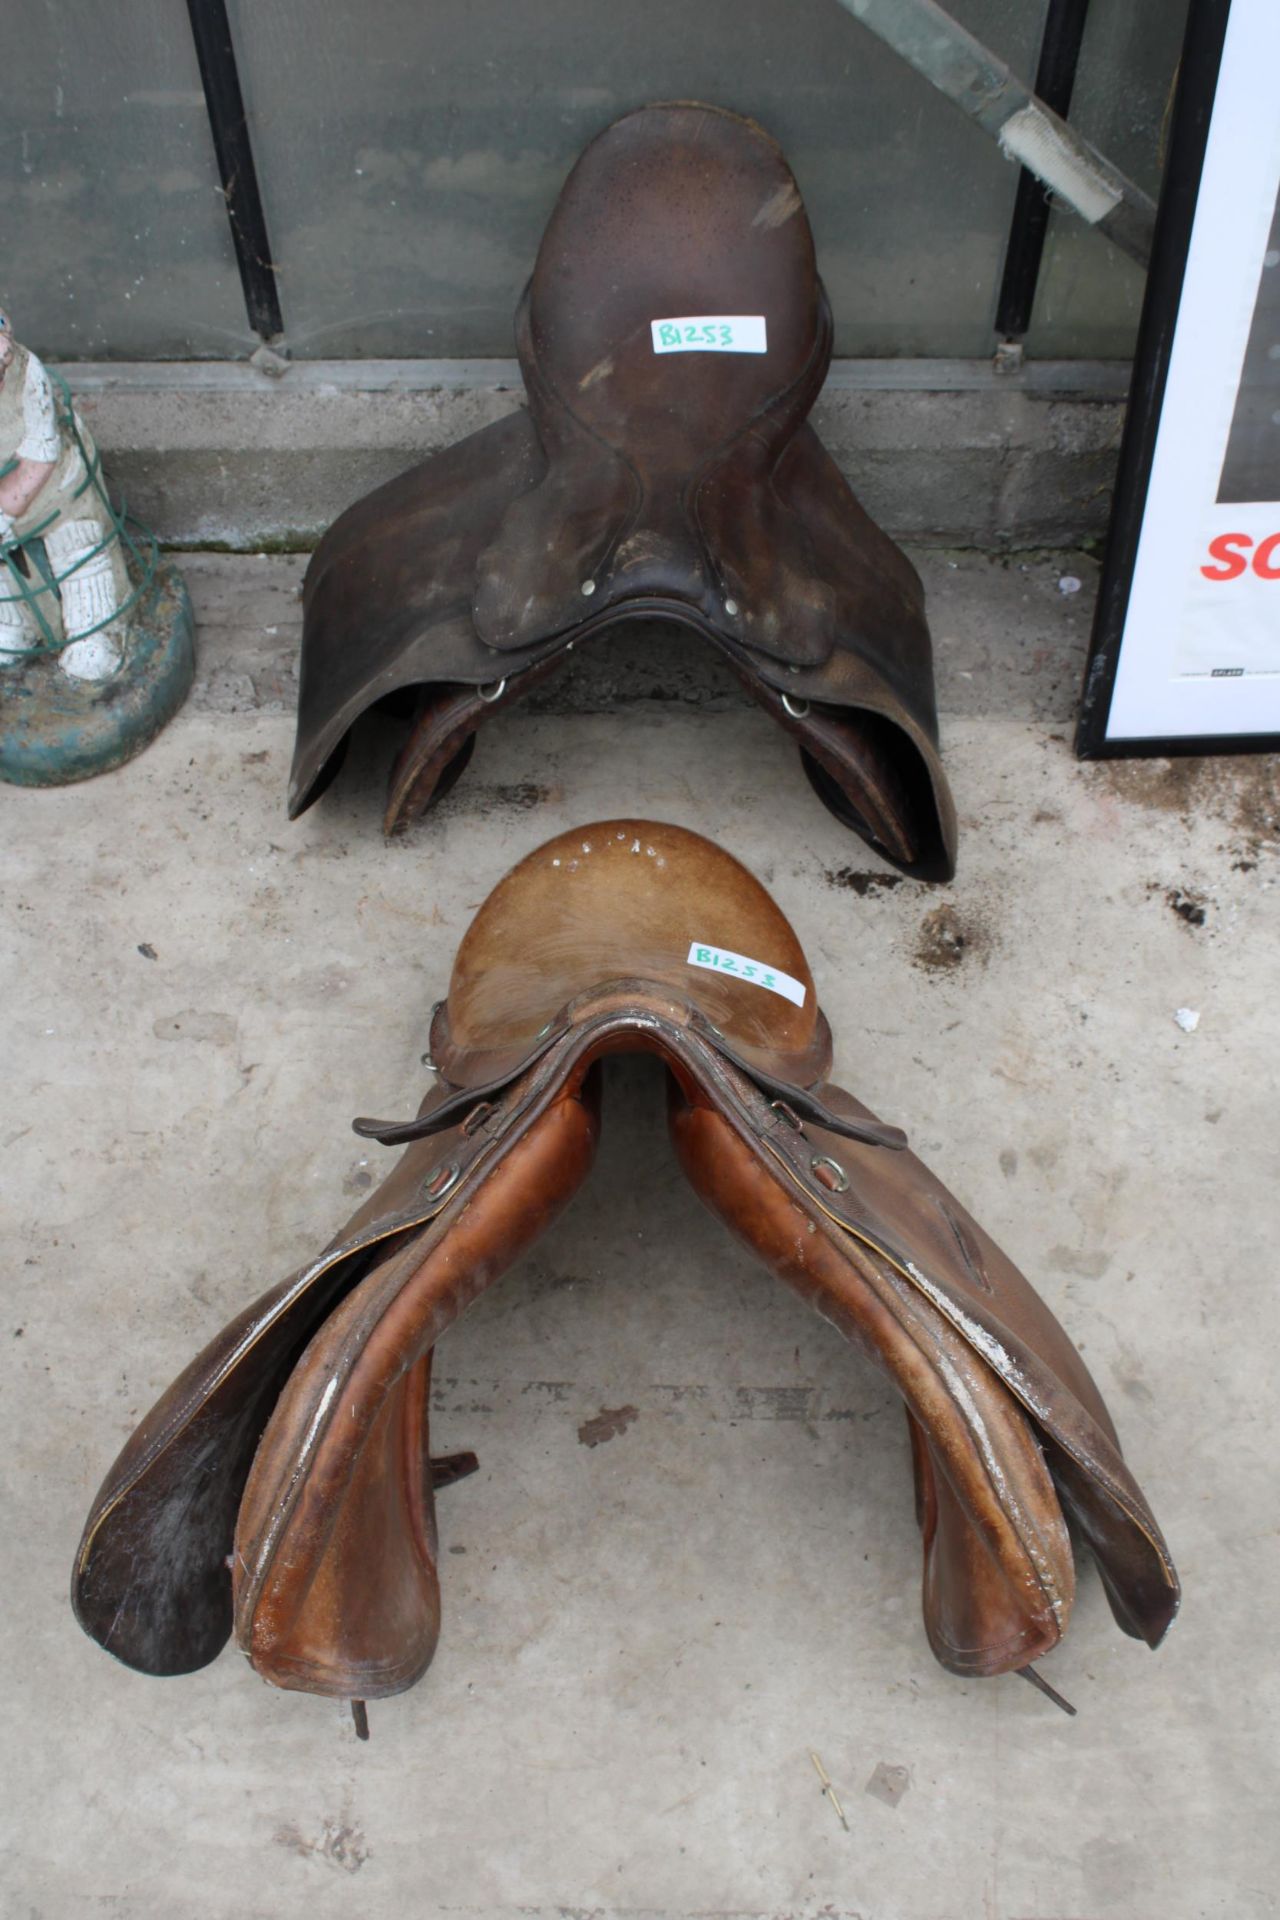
point(95, 634)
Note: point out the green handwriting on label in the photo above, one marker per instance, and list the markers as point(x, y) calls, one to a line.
point(730, 963)
point(721, 960)
point(711, 333)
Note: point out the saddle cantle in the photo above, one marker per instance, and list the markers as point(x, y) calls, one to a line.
point(673, 338)
point(282, 1487)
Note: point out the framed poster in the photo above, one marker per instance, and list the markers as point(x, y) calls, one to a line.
point(1185, 656)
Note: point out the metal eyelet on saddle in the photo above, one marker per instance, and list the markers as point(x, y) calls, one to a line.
point(442, 1181)
point(493, 691)
point(796, 708)
point(828, 1173)
point(426, 1059)
point(788, 1114)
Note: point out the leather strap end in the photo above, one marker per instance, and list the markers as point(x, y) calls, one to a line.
point(391, 1133)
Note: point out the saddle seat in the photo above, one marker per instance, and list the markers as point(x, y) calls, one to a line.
point(673, 338)
point(282, 1488)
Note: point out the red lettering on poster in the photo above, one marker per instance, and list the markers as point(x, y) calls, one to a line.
point(1231, 552)
point(1223, 550)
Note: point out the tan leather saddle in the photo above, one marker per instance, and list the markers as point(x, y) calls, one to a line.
point(673, 338)
point(283, 1487)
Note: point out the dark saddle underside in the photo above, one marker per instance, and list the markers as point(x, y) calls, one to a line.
point(282, 1487)
point(673, 338)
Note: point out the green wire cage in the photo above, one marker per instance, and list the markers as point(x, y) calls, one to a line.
point(28, 575)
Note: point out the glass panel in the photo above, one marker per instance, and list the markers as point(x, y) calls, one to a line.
point(410, 155)
point(115, 237)
point(1089, 297)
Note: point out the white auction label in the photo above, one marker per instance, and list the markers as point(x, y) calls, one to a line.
point(720, 960)
point(710, 333)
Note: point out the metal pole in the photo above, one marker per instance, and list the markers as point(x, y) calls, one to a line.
point(1055, 79)
point(215, 52)
point(971, 76)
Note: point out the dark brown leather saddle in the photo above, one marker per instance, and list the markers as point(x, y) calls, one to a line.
point(282, 1487)
point(673, 338)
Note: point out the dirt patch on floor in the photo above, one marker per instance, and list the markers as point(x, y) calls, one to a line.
point(339, 1844)
point(949, 939)
point(606, 1425)
point(520, 796)
point(1189, 907)
point(1240, 790)
point(861, 883)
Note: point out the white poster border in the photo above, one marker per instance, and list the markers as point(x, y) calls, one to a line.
point(1154, 696)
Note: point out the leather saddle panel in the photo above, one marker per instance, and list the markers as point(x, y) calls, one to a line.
point(151, 1580)
point(682, 484)
point(282, 1481)
point(334, 1569)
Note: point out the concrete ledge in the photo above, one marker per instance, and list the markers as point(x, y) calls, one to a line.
point(948, 452)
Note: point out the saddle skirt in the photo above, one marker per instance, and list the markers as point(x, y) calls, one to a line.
point(282, 1488)
point(673, 338)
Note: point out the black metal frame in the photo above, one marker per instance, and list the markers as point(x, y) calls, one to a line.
point(215, 51)
point(1055, 80)
point(1192, 112)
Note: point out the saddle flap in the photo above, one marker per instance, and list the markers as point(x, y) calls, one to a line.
point(999, 1577)
point(998, 1421)
point(387, 593)
point(893, 1207)
point(152, 1581)
point(334, 1567)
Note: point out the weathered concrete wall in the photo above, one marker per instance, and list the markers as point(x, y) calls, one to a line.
point(946, 452)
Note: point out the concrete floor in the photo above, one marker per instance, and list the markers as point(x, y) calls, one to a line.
point(645, 1639)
